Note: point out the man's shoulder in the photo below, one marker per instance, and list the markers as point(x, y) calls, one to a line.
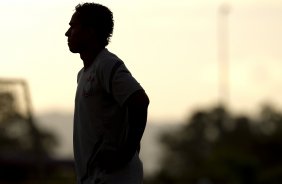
point(106, 60)
point(107, 56)
point(79, 74)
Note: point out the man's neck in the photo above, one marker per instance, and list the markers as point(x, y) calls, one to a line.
point(89, 56)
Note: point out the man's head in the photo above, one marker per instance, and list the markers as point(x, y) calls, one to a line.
point(91, 26)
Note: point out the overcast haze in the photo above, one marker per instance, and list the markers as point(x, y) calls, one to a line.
point(169, 46)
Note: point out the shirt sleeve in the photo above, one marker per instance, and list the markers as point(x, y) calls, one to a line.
point(123, 84)
point(117, 81)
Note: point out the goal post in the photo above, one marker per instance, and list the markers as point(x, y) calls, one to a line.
point(18, 92)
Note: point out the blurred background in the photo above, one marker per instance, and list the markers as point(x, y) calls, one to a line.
point(211, 68)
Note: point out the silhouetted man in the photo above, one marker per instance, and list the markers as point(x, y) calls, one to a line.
point(110, 105)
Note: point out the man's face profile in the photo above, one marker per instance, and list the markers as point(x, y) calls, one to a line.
point(78, 35)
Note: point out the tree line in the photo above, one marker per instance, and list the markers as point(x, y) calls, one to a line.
point(215, 146)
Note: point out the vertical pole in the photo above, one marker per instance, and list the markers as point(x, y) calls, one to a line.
point(36, 138)
point(223, 50)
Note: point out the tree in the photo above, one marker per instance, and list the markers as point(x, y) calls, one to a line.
point(215, 147)
point(17, 131)
point(24, 147)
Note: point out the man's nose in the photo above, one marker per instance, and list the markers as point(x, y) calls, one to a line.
point(67, 33)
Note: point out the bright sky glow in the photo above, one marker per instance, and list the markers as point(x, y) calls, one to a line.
point(169, 46)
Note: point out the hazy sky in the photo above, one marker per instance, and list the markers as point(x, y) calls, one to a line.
point(169, 46)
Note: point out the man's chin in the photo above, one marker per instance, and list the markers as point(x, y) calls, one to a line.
point(73, 50)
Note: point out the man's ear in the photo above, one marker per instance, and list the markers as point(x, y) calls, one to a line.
point(92, 33)
point(91, 30)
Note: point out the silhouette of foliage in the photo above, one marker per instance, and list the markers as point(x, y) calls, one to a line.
point(17, 131)
point(217, 147)
point(26, 150)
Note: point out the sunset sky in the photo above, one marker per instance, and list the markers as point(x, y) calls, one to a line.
point(171, 47)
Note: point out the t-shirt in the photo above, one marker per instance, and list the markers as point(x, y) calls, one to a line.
point(100, 117)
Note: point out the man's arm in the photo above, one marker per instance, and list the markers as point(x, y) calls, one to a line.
point(137, 105)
